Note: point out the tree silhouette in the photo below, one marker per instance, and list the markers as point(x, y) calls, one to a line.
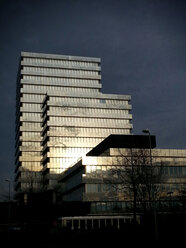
point(136, 176)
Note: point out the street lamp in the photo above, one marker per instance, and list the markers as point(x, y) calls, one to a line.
point(150, 147)
point(7, 180)
point(147, 131)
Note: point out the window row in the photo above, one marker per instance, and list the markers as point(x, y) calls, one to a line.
point(88, 111)
point(51, 89)
point(29, 186)
point(103, 170)
point(26, 126)
point(97, 207)
point(87, 100)
point(31, 166)
point(33, 115)
point(98, 188)
point(30, 144)
point(74, 140)
point(31, 154)
point(36, 166)
point(38, 98)
point(88, 122)
point(60, 62)
point(35, 98)
point(158, 160)
point(107, 187)
point(110, 207)
point(31, 136)
point(31, 107)
point(72, 151)
point(62, 162)
point(26, 116)
point(56, 170)
point(169, 152)
point(60, 71)
point(30, 175)
point(93, 131)
point(172, 187)
point(174, 171)
point(69, 143)
point(93, 170)
point(85, 131)
point(59, 80)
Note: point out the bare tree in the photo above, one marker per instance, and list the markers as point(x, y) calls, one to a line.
point(138, 178)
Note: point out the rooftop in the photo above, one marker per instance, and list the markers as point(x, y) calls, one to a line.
point(123, 141)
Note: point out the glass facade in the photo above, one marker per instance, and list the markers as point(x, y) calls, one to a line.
point(61, 114)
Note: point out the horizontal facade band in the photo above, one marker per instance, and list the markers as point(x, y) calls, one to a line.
point(99, 105)
point(63, 118)
point(104, 196)
point(88, 95)
point(67, 144)
point(30, 119)
point(63, 75)
point(30, 159)
point(56, 92)
point(63, 155)
point(56, 56)
point(71, 131)
point(97, 125)
point(93, 135)
point(53, 65)
point(29, 110)
point(64, 104)
point(30, 139)
point(30, 148)
point(90, 115)
point(61, 84)
point(81, 107)
point(31, 129)
point(58, 167)
point(20, 170)
point(79, 132)
point(104, 126)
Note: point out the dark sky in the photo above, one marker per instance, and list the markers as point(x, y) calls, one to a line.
point(142, 44)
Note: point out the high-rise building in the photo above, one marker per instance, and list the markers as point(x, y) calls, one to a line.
point(61, 114)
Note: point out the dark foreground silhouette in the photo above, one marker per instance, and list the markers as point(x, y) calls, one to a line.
point(171, 231)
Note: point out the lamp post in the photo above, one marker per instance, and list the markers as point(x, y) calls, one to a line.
point(7, 180)
point(9, 183)
point(147, 131)
point(150, 147)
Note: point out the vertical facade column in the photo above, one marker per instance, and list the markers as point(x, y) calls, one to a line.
point(79, 224)
point(99, 223)
point(105, 222)
point(72, 226)
point(92, 223)
point(111, 221)
point(118, 226)
point(85, 224)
